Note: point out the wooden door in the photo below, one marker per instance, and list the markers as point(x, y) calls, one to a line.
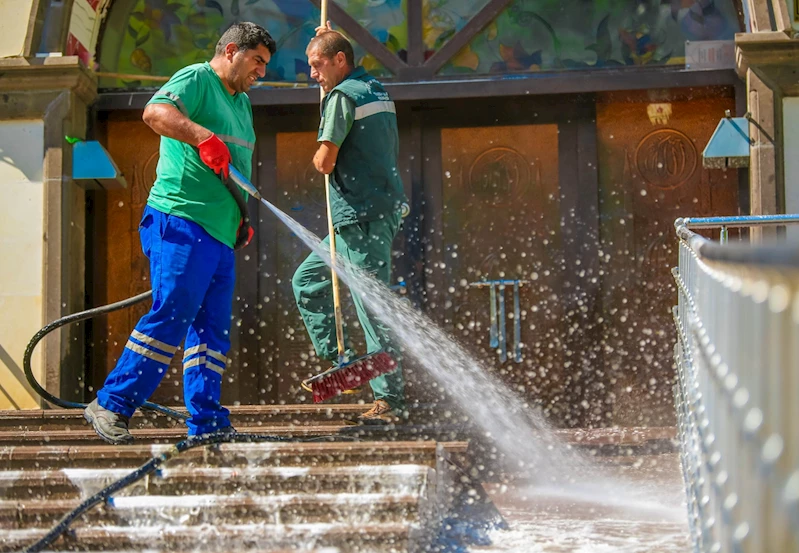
point(493, 211)
point(650, 155)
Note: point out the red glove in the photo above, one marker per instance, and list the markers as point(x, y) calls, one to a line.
point(215, 154)
point(243, 235)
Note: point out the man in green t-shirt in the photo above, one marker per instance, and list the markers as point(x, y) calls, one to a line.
point(358, 148)
point(188, 231)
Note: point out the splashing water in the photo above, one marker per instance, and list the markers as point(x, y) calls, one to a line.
point(520, 434)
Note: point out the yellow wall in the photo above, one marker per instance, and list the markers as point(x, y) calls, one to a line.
point(14, 17)
point(21, 255)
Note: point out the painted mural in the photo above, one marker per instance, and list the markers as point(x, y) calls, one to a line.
point(443, 18)
point(162, 36)
point(534, 35)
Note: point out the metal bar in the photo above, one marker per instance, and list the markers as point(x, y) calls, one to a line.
point(493, 336)
point(503, 342)
point(501, 281)
point(517, 324)
point(737, 221)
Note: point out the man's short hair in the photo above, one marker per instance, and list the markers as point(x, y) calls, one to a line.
point(246, 36)
point(331, 43)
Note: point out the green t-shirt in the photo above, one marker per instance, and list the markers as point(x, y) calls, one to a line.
point(184, 185)
point(338, 118)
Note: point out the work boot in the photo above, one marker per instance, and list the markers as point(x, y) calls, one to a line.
point(380, 413)
point(111, 427)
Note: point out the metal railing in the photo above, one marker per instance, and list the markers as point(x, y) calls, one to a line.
point(737, 395)
point(725, 223)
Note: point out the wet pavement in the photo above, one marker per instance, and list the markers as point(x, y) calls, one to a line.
point(642, 510)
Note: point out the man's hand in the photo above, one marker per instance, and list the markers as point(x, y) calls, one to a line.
point(215, 154)
point(244, 235)
point(323, 28)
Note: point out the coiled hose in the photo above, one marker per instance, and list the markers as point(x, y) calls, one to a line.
point(74, 318)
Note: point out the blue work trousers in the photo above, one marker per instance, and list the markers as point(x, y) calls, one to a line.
point(192, 276)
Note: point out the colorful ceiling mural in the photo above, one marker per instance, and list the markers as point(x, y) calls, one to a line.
point(161, 36)
point(534, 35)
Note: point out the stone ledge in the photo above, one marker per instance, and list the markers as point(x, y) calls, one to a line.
point(31, 75)
point(773, 55)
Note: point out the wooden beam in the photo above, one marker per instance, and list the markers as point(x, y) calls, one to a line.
point(362, 36)
point(581, 288)
point(528, 84)
point(476, 24)
point(415, 34)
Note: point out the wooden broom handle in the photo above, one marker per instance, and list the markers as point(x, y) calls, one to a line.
point(332, 234)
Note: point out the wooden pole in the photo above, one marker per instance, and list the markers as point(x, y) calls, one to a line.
point(332, 234)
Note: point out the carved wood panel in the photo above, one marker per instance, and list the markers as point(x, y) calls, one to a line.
point(651, 173)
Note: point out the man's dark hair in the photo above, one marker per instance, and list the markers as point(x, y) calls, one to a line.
point(331, 43)
point(247, 36)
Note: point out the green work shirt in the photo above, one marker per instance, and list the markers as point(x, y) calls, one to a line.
point(359, 117)
point(184, 185)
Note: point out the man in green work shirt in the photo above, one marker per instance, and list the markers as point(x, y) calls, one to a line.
point(358, 148)
point(188, 231)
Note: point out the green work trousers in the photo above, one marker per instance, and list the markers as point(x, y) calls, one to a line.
point(366, 245)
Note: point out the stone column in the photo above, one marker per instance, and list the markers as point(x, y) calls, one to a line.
point(768, 58)
point(55, 92)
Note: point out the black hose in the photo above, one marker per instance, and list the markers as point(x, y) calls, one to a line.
point(241, 203)
point(74, 318)
point(90, 313)
point(151, 466)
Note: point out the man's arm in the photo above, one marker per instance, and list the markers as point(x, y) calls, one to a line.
point(325, 157)
point(167, 120)
point(338, 119)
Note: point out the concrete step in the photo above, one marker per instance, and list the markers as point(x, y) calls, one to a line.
point(377, 538)
point(199, 509)
point(244, 416)
point(74, 484)
point(326, 453)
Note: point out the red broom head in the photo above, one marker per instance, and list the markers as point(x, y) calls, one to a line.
point(352, 376)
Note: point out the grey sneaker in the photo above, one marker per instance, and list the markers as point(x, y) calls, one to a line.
point(111, 427)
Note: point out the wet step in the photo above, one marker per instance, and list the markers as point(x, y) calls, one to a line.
point(173, 435)
point(196, 510)
point(222, 537)
point(240, 416)
point(223, 550)
point(323, 453)
point(75, 484)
